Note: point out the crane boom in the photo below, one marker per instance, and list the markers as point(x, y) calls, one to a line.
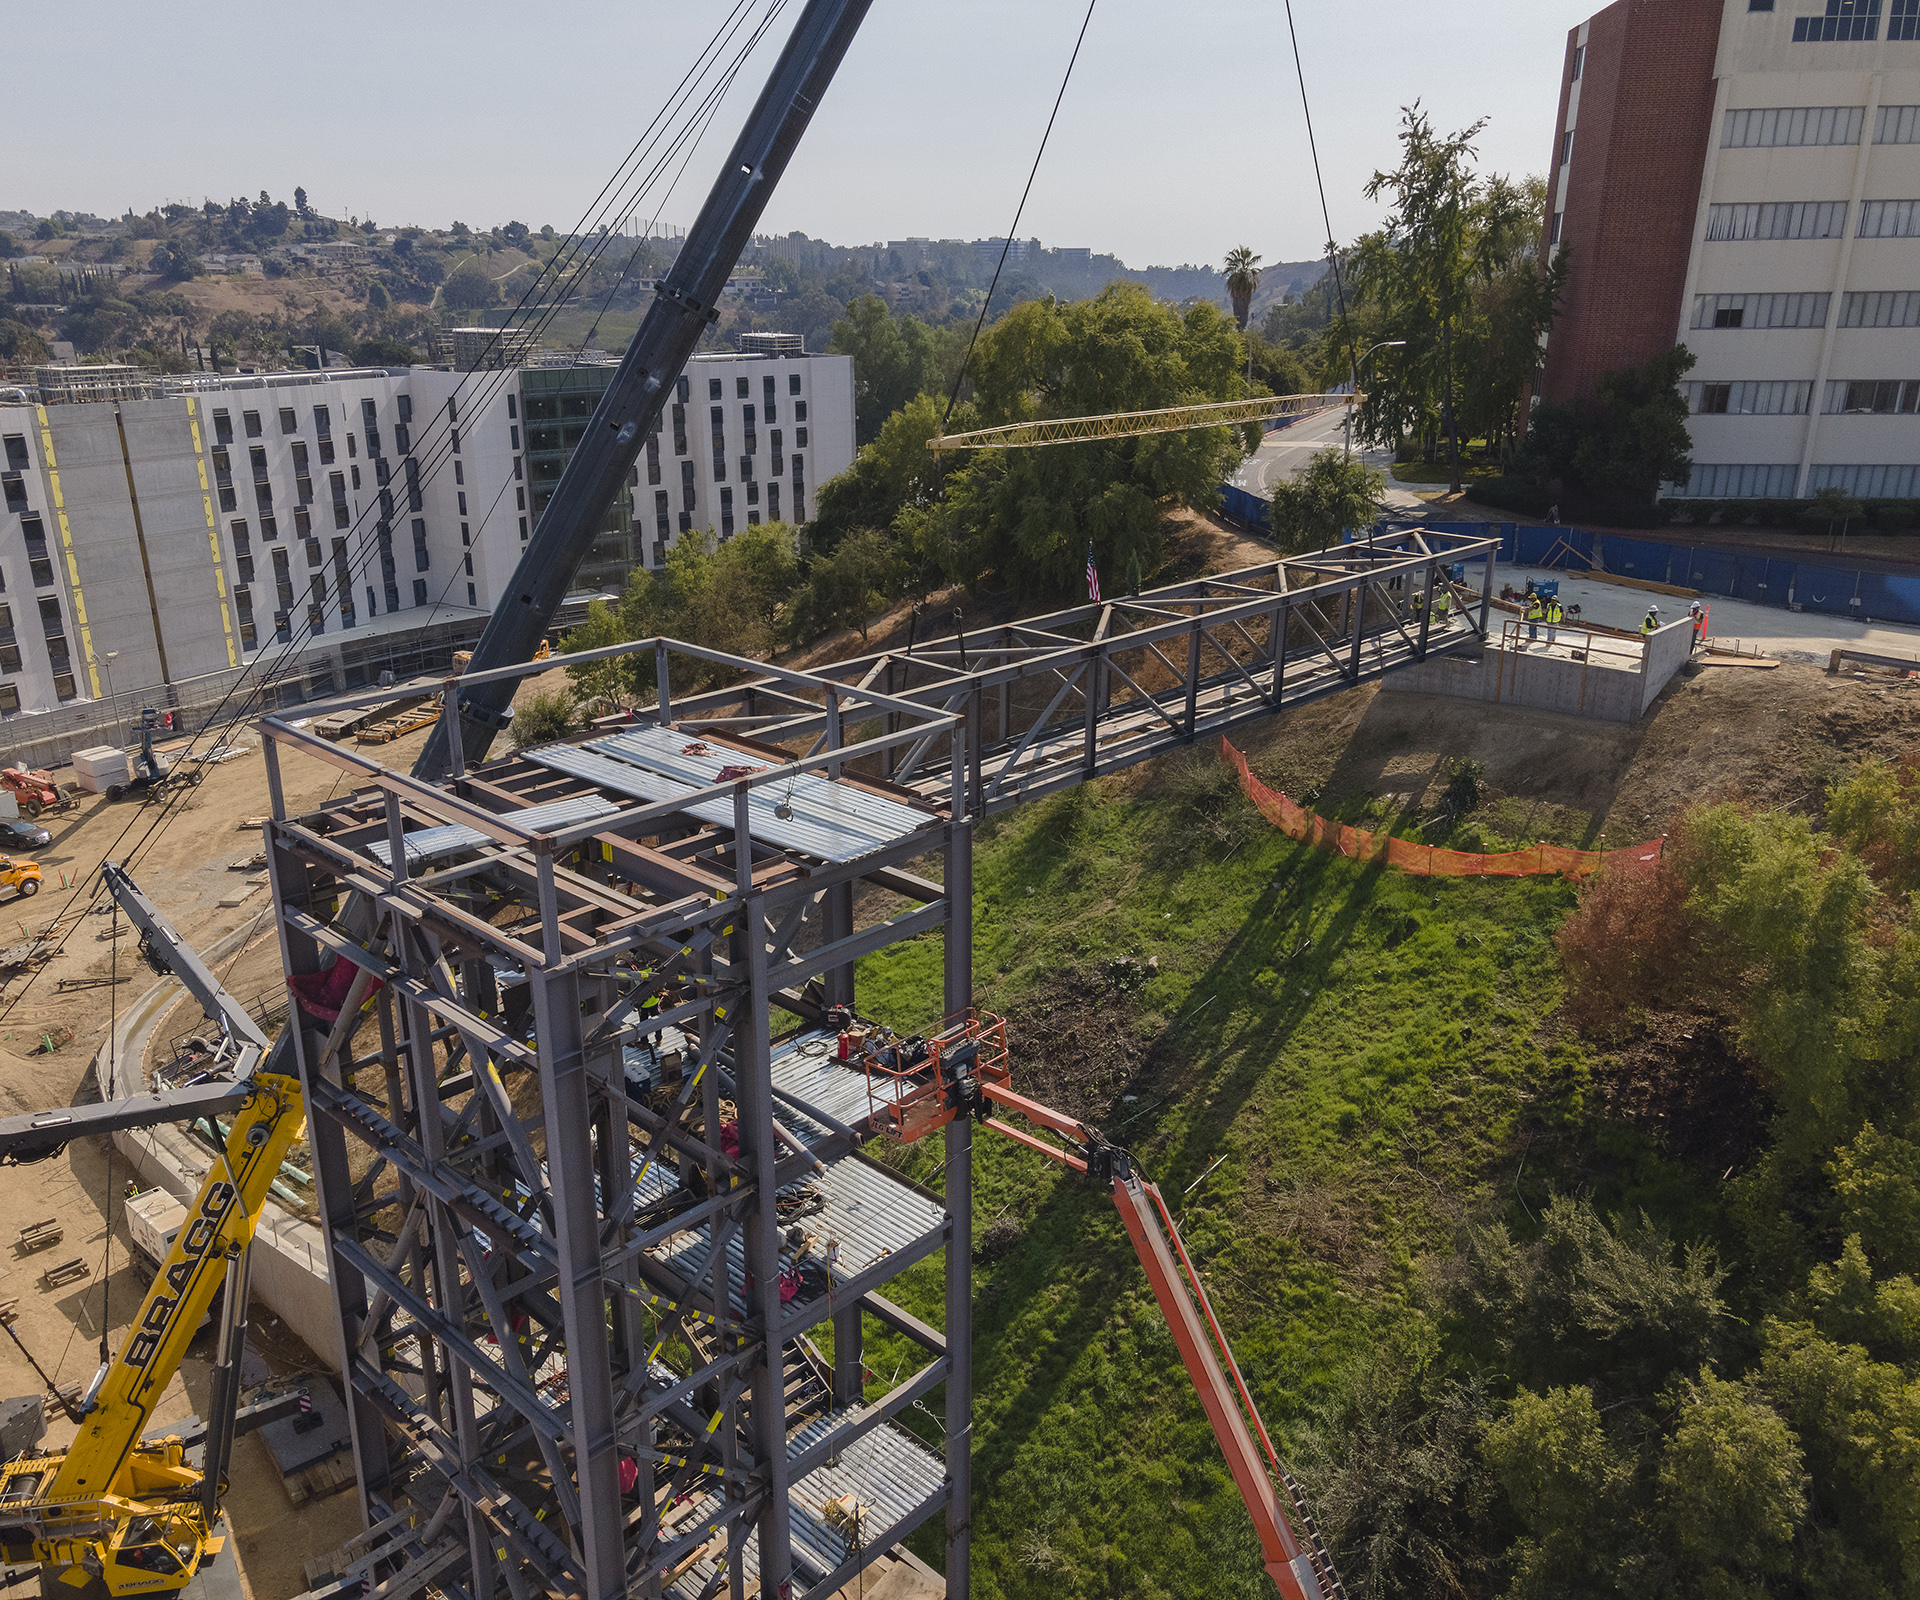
point(684, 305)
point(1134, 424)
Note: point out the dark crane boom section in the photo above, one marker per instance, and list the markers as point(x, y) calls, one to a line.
point(685, 303)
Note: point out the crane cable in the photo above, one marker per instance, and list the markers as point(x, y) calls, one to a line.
point(1326, 216)
point(1006, 244)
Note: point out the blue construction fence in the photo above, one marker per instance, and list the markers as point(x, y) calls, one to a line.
point(1758, 577)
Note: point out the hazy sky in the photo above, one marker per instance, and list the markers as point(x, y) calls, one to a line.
point(1181, 135)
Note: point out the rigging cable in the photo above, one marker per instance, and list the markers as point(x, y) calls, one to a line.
point(1007, 243)
point(263, 670)
point(1326, 216)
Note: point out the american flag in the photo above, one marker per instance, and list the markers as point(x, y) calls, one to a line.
point(1093, 577)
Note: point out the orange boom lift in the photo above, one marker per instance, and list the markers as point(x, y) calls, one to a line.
point(965, 1071)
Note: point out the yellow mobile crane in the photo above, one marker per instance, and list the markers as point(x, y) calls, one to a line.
point(119, 1512)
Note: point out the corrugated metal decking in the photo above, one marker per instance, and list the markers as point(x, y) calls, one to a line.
point(432, 844)
point(885, 1468)
point(807, 1068)
point(832, 821)
point(872, 1214)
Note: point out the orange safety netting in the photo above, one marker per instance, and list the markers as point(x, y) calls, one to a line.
point(1425, 860)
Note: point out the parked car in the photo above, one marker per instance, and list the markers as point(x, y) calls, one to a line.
point(23, 836)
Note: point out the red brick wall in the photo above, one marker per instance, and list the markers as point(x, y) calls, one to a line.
point(1646, 113)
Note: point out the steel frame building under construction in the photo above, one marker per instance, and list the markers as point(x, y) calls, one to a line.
point(575, 1272)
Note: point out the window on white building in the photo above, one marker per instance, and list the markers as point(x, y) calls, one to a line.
point(1750, 398)
point(1873, 397)
point(1889, 219)
point(1845, 20)
point(1761, 310)
point(1778, 219)
point(1887, 308)
point(1776, 127)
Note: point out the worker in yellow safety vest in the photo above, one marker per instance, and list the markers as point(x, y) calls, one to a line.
point(1554, 614)
point(1442, 606)
point(1652, 623)
point(1535, 613)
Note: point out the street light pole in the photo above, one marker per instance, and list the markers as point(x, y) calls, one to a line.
point(1384, 344)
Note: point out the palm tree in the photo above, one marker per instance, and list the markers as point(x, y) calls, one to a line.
point(1243, 277)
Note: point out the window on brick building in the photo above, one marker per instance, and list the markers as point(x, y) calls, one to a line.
point(1579, 61)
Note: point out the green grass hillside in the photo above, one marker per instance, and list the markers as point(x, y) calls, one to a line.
point(1364, 1049)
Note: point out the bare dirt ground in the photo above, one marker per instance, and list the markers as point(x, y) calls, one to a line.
point(1776, 737)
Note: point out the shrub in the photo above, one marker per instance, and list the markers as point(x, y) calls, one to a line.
point(541, 719)
point(1511, 494)
point(1626, 947)
point(1894, 516)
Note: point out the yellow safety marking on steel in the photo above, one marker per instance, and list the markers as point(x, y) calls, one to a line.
point(66, 549)
point(606, 852)
point(1133, 424)
point(213, 535)
point(715, 1423)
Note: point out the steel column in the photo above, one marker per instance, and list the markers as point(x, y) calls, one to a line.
point(959, 1200)
point(582, 1287)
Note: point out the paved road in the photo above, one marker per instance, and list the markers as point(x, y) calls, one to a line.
point(1284, 452)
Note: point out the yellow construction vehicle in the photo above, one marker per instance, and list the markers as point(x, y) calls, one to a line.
point(22, 877)
point(120, 1512)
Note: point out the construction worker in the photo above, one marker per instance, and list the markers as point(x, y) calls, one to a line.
point(1554, 614)
point(1697, 615)
point(1652, 623)
point(1442, 606)
point(1535, 613)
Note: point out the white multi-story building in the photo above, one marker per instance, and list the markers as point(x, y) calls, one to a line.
point(1744, 178)
point(355, 521)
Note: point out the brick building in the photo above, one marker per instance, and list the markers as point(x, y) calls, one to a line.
point(1743, 176)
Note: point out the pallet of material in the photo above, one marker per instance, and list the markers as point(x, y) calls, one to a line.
point(422, 715)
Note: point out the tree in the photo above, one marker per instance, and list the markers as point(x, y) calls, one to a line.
point(22, 344)
point(1732, 1486)
point(1322, 500)
point(377, 297)
point(1030, 515)
point(544, 716)
point(469, 288)
point(894, 359)
point(384, 351)
point(174, 262)
point(516, 234)
point(894, 473)
point(300, 202)
point(1423, 264)
point(609, 680)
point(1624, 442)
point(724, 596)
point(847, 588)
point(1833, 509)
point(1243, 277)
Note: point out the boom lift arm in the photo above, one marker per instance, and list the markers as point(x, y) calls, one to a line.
point(966, 1074)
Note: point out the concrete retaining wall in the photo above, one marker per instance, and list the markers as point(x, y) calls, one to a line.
point(1597, 688)
point(289, 1261)
point(1667, 652)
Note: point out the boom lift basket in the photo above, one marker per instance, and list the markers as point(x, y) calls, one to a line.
point(919, 1084)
